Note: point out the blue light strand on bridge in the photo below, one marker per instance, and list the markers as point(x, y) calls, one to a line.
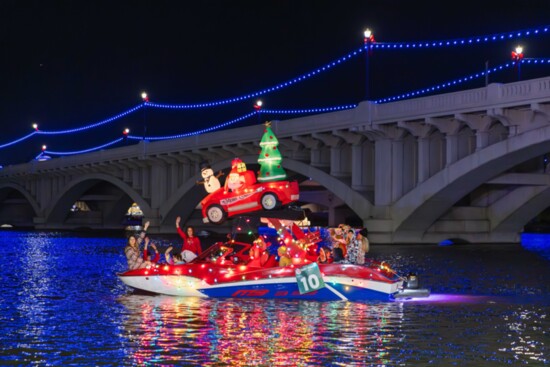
point(18, 140)
point(505, 36)
point(198, 132)
point(263, 91)
point(75, 130)
point(96, 124)
point(535, 61)
point(381, 45)
point(193, 106)
point(84, 150)
point(309, 110)
point(459, 81)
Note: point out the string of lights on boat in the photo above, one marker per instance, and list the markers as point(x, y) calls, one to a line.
point(544, 30)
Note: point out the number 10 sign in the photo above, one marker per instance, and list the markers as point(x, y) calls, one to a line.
point(309, 278)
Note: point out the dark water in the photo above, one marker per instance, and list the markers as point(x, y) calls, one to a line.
point(62, 305)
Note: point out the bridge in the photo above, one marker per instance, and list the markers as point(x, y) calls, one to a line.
point(465, 166)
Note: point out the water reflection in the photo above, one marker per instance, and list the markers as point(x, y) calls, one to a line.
point(259, 332)
point(62, 304)
point(525, 327)
point(34, 290)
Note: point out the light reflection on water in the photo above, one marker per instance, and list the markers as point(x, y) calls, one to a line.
point(260, 332)
point(62, 304)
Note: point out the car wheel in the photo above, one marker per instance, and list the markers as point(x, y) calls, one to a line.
point(269, 201)
point(215, 214)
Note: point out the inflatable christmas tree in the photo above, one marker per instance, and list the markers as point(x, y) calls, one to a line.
point(270, 157)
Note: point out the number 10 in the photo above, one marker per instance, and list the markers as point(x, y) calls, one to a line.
point(312, 282)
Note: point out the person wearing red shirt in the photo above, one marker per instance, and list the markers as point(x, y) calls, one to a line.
point(148, 255)
point(190, 241)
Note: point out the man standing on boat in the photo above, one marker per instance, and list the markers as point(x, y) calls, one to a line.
point(190, 241)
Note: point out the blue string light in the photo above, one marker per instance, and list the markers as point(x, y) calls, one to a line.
point(219, 126)
point(459, 81)
point(309, 110)
point(82, 128)
point(463, 41)
point(85, 150)
point(96, 124)
point(225, 124)
point(18, 140)
point(263, 91)
point(380, 45)
point(535, 61)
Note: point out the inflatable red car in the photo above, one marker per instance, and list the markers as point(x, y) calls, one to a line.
point(227, 202)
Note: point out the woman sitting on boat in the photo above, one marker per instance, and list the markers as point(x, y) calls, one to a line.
point(134, 256)
point(324, 256)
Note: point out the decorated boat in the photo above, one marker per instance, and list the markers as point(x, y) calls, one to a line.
point(284, 266)
point(229, 270)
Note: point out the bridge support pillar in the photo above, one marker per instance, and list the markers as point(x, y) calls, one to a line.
point(383, 172)
point(338, 160)
point(136, 182)
point(423, 159)
point(158, 185)
point(452, 149)
point(482, 139)
point(45, 192)
point(315, 157)
point(360, 166)
point(145, 174)
point(397, 169)
point(174, 177)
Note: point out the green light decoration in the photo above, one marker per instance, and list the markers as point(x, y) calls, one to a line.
point(270, 157)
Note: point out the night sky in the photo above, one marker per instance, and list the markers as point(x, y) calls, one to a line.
point(66, 64)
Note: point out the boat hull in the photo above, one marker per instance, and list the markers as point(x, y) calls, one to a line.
point(345, 282)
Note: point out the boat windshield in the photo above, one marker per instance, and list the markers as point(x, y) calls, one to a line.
point(221, 252)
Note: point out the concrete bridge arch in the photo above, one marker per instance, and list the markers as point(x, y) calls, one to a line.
point(512, 213)
point(18, 209)
point(417, 210)
point(58, 210)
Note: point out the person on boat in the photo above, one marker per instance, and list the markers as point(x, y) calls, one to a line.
point(175, 259)
point(190, 241)
point(364, 245)
point(338, 239)
point(324, 256)
point(134, 256)
point(150, 255)
point(140, 236)
point(353, 255)
point(258, 253)
point(284, 259)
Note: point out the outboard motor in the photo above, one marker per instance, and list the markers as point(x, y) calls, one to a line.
point(410, 288)
point(412, 281)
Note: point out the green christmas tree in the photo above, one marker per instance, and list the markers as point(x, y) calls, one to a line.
point(270, 157)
